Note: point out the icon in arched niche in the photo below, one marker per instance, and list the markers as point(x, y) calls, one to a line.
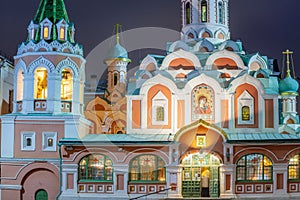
point(202, 103)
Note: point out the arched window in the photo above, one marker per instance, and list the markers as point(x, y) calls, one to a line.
point(221, 36)
point(254, 167)
point(206, 35)
point(294, 168)
point(62, 33)
point(147, 168)
point(95, 168)
point(260, 75)
point(191, 36)
point(225, 75)
point(28, 142)
point(160, 114)
point(115, 79)
point(290, 121)
point(221, 13)
point(204, 11)
point(20, 85)
point(40, 83)
point(46, 33)
point(203, 50)
point(66, 85)
point(188, 13)
point(50, 142)
point(41, 195)
point(245, 113)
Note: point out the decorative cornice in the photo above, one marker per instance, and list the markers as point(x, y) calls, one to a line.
point(54, 46)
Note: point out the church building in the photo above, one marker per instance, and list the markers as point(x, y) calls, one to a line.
point(204, 120)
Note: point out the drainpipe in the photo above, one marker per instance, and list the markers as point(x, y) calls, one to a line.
point(60, 171)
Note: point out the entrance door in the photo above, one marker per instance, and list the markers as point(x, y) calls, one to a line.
point(200, 175)
point(41, 195)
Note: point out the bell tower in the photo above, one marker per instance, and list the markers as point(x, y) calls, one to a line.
point(48, 93)
point(288, 87)
point(205, 19)
point(117, 61)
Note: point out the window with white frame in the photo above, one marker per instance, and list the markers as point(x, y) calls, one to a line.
point(46, 26)
point(49, 141)
point(62, 29)
point(28, 141)
point(160, 109)
point(46, 32)
point(246, 109)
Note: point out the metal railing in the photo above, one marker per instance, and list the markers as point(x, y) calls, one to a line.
point(149, 194)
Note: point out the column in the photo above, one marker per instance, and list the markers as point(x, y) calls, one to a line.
point(227, 181)
point(280, 177)
point(174, 181)
point(121, 180)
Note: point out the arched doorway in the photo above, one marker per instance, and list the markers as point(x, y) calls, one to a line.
point(41, 195)
point(200, 175)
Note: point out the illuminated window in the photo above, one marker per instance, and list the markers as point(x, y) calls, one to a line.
point(49, 141)
point(204, 11)
point(160, 114)
point(245, 113)
point(294, 168)
point(62, 33)
point(188, 13)
point(66, 85)
point(147, 168)
point(245, 108)
point(20, 85)
point(40, 83)
point(221, 13)
point(96, 168)
point(46, 32)
point(254, 167)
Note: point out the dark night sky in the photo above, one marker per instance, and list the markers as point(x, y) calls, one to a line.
point(266, 26)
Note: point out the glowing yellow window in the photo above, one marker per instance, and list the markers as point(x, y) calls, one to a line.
point(66, 85)
point(46, 32)
point(245, 113)
point(62, 33)
point(40, 83)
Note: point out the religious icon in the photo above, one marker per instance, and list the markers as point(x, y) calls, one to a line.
point(201, 141)
point(203, 106)
point(202, 103)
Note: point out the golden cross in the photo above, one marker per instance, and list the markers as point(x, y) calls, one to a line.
point(288, 53)
point(118, 26)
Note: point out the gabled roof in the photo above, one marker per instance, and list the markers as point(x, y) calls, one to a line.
point(54, 10)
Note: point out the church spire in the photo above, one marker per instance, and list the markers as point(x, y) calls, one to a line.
point(54, 10)
point(51, 23)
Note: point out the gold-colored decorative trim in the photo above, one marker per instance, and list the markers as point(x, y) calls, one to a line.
point(197, 124)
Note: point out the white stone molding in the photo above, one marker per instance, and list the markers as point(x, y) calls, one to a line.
point(68, 63)
point(41, 62)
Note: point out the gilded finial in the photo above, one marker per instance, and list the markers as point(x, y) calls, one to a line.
point(118, 27)
point(288, 53)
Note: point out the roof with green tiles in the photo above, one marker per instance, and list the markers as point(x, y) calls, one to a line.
point(54, 10)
